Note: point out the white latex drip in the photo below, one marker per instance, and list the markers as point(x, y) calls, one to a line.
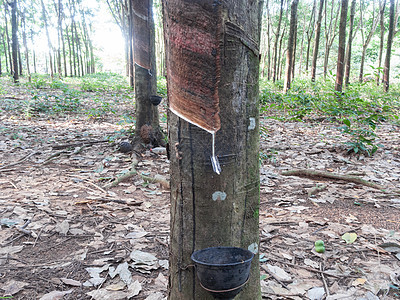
point(214, 159)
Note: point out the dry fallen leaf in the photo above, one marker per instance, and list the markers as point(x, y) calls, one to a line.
point(55, 295)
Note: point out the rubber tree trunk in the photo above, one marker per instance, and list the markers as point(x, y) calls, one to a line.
point(291, 41)
point(382, 5)
point(342, 46)
point(212, 57)
point(147, 123)
point(316, 41)
point(349, 43)
point(276, 61)
point(386, 68)
point(14, 38)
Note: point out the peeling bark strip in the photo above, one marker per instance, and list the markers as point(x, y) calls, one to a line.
point(193, 83)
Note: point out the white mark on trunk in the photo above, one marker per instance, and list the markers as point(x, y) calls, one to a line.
point(253, 248)
point(219, 196)
point(252, 124)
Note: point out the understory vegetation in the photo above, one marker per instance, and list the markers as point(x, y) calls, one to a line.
point(357, 112)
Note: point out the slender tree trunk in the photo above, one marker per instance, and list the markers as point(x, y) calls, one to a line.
point(316, 41)
point(269, 40)
point(366, 40)
point(281, 55)
point(5, 52)
point(33, 53)
point(44, 14)
point(213, 66)
point(19, 60)
point(10, 57)
point(310, 32)
point(71, 68)
point(276, 43)
point(294, 51)
point(28, 70)
point(131, 70)
point(386, 69)
point(382, 5)
point(330, 34)
point(342, 46)
point(147, 121)
point(348, 51)
point(14, 36)
point(290, 48)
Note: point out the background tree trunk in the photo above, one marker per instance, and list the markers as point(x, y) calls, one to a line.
point(382, 5)
point(209, 209)
point(28, 70)
point(316, 41)
point(388, 48)
point(366, 40)
point(276, 61)
point(290, 48)
point(342, 46)
point(44, 14)
point(310, 33)
point(14, 37)
point(330, 33)
point(147, 128)
point(10, 59)
point(349, 43)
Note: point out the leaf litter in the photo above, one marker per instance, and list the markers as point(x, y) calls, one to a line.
point(83, 240)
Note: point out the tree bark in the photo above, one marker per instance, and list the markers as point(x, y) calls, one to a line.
point(290, 48)
point(213, 58)
point(316, 41)
point(147, 128)
point(382, 5)
point(386, 69)
point(349, 43)
point(342, 46)
point(14, 37)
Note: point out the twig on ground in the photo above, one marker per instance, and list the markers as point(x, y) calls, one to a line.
point(88, 143)
point(125, 176)
point(306, 268)
point(324, 280)
point(328, 175)
point(19, 161)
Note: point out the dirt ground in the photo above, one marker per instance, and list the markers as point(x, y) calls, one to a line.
point(65, 235)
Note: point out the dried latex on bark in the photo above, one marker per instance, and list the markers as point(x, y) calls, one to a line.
point(193, 51)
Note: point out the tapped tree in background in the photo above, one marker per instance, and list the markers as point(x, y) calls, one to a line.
point(290, 49)
point(147, 128)
point(212, 59)
point(342, 44)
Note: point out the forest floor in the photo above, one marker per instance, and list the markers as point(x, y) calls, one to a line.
point(65, 235)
